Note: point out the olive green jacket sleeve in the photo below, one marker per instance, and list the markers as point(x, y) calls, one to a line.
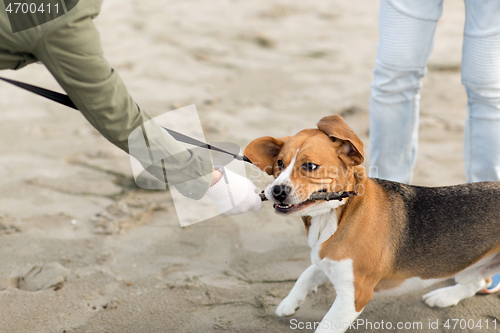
point(70, 48)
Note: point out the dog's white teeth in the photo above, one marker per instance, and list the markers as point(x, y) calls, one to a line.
point(284, 206)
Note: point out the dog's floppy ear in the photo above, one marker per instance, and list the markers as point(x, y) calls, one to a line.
point(336, 128)
point(262, 152)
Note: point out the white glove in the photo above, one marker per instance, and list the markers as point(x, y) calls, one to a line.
point(234, 194)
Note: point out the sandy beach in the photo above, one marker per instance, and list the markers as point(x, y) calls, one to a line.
point(82, 249)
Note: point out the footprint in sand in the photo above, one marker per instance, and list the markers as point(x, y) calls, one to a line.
point(38, 277)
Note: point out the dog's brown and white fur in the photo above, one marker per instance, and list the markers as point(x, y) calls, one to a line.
point(391, 238)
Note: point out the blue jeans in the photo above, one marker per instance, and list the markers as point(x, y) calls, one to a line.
point(406, 40)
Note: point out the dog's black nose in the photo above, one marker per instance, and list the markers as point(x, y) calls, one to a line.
point(281, 192)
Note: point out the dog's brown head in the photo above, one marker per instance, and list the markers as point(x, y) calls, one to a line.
point(313, 160)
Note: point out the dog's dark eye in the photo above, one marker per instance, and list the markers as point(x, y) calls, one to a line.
point(280, 164)
point(310, 166)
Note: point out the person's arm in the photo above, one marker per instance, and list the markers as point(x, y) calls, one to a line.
point(72, 53)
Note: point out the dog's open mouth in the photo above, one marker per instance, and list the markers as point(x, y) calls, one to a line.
point(282, 208)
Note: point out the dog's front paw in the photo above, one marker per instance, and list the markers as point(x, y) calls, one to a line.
point(288, 306)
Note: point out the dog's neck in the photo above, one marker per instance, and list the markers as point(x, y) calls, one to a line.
point(321, 224)
point(321, 227)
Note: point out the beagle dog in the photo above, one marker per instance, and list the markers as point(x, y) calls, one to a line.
point(389, 239)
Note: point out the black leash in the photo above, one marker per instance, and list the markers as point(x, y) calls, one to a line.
point(65, 100)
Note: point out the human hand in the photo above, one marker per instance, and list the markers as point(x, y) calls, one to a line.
point(233, 194)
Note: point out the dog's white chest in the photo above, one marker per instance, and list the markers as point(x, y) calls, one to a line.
point(322, 227)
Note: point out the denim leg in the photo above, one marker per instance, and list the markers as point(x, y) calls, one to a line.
point(405, 44)
point(481, 78)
